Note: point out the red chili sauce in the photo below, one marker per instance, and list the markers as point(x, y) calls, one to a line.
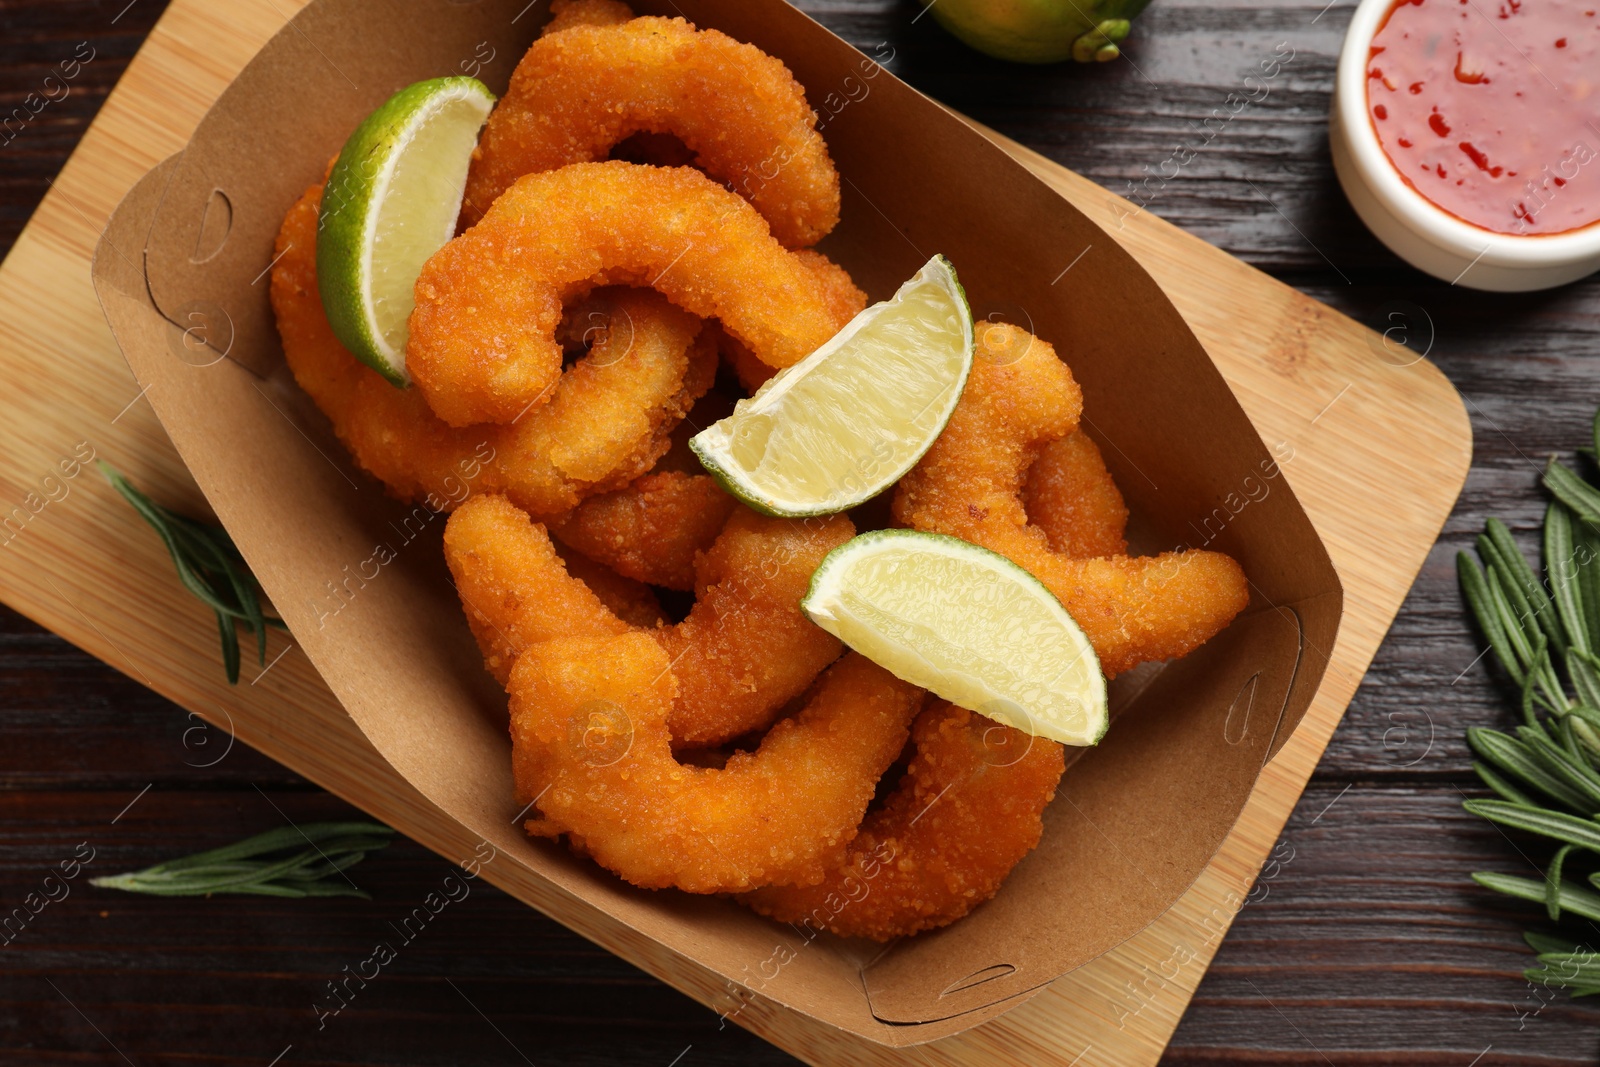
point(1491, 108)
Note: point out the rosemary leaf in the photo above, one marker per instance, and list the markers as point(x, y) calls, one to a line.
point(1512, 757)
point(1586, 556)
point(1504, 788)
point(1578, 899)
point(1582, 669)
point(1541, 943)
point(306, 861)
point(1527, 639)
point(210, 567)
point(1585, 833)
point(1512, 611)
point(1588, 738)
point(1573, 491)
point(1567, 727)
point(1578, 776)
point(1569, 968)
point(319, 834)
point(1552, 882)
point(1544, 677)
point(1561, 567)
point(242, 583)
point(1475, 587)
point(1515, 567)
point(1585, 712)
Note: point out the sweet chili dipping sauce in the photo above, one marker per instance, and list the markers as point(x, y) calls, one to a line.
point(1491, 108)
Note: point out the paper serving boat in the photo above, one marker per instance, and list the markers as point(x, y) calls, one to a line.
point(362, 584)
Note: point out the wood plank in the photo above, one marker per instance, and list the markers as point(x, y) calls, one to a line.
point(235, 980)
point(1366, 962)
point(1367, 943)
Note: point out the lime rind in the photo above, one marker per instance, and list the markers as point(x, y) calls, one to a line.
point(398, 182)
point(967, 624)
point(735, 450)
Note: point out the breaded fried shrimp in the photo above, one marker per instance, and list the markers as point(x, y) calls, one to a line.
point(591, 81)
point(608, 418)
point(628, 599)
point(652, 529)
point(1069, 494)
point(514, 587)
point(969, 485)
point(591, 701)
point(965, 813)
point(746, 649)
point(482, 345)
point(591, 749)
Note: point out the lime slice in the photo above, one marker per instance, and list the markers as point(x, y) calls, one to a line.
point(966, 623)
point(846, 422)
point(391, 202)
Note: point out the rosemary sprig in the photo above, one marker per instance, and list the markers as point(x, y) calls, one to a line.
point(305, 861)
point(211, 568)
point(1546, 636)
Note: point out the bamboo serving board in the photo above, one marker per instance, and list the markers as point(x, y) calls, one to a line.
point(75, 559)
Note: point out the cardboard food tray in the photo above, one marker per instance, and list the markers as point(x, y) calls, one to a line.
point(610, 915)
point(1139, 816)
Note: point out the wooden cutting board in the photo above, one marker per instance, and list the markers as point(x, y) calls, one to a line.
point(1382, 446)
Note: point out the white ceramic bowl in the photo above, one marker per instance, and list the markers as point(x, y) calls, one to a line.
point(1414, 228)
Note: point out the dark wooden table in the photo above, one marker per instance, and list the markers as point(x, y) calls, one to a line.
point(1365, 942)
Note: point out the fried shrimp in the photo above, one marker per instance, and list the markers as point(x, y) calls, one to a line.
point(565, 14)
point(591, 81)
point(591, 707)
point(514, 587)
point(628, 599)
point(482, 345)
point(517, 593)
point(1069, 494)
point(969, 485)
point(844, 297)
point(609, 417)
point(591, 748)
point(652, 529)
point(746, 649)
point(966, 812)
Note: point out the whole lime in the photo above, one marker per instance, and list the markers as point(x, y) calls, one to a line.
point(1040, 31)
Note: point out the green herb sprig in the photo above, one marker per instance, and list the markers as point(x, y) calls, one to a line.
point(1546, 635)
point(305, 861)
point(210, 567)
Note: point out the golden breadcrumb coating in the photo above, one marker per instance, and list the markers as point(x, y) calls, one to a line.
point(482, 342)
point(591, 749)
point(652, 529)
point(969, 485)
point(746, 649)
point(1069, 494)
point(595, 78)
point(628, 599)
point(967, 810)
point(609, 417)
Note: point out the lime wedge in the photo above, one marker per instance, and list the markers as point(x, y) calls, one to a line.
point(966, 623)
point(391, 202)
point(846, 422)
